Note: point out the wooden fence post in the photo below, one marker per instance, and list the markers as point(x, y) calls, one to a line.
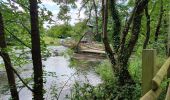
point(168, 71)
point(148, 69)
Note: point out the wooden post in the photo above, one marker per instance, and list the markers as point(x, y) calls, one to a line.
point(148, 69)
point(168, 93)
point(168, 48)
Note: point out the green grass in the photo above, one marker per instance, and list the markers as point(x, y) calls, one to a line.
point(51, 41)
point(105, 71)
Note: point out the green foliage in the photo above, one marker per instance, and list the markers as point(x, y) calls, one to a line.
point(105, 71)
point(59, 31)
point(17, 28)
point(54, 91)
point(65, 30)
point(50, 40)
point(63, 13)
point(89, 92)
point(135, 68)
point(108, 90)
point(79, 29)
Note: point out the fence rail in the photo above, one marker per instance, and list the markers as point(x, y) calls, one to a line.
point(152, 76)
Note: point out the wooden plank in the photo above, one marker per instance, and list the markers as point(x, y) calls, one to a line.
point(156, 81)
point(93, 51)
point(148, 64)
point(152, 95)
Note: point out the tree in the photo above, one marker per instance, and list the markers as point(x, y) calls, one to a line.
point(147, 28)
point(36, 51)
point(119, 57)
point(8, 66)
point(159, 21)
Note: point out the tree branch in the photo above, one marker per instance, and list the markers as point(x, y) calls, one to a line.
point(105, 38)
point(2, 55)
point(147, 28)
point(116, 26)
point(82, 7)
point(95, 9)
point(19, 40)
point(135, 28)
point(89, 14)
point(138, 8)
point(159, 21)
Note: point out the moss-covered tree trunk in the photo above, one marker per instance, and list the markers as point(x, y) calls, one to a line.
point(123, 47)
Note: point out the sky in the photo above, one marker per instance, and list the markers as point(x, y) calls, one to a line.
point(54, 8)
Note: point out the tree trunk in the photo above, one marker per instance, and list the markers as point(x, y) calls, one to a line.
point(116, 25)
point(95, 8)
point(120, 59)
point(147, 28)
point(36, 51)
point(126, 84)
point(108, 49)
point(159, 21)
point(7, 61)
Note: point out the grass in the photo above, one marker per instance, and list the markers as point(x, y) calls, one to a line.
point(51, 41)
point(105, 71)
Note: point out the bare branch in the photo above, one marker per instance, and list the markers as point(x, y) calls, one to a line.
point(82, 7)
point(89, 14)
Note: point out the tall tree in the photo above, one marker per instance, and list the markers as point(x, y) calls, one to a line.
point(8, 66)
point(36, 51)
point(120, 58)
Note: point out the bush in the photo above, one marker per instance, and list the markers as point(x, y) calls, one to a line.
point(60, 31)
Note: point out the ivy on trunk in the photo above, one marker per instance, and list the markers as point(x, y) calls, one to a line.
point(123, 48)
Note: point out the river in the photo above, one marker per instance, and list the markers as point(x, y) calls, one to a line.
point(59, 76)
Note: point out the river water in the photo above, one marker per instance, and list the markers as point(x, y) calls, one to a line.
point(58, 75)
